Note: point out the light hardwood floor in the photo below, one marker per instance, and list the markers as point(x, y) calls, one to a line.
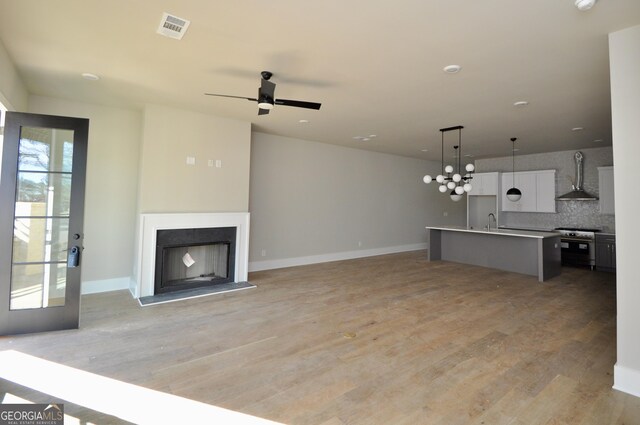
point(382, 340)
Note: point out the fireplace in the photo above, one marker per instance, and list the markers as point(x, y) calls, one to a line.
point(149, 224)
point(194, 258)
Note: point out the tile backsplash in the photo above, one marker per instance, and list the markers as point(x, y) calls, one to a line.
point(585, 214)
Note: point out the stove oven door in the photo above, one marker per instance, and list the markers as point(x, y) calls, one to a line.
point(577, 252)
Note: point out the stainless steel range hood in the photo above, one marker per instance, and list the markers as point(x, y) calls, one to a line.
point(577, 193)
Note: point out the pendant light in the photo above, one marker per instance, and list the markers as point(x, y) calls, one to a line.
point(514, 193)
point(456, 183)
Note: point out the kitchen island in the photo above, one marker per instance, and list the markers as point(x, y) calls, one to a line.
point(520, 251)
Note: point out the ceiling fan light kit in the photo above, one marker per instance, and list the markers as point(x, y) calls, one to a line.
point(456, 183)
point(266, 97)
point(265, 103)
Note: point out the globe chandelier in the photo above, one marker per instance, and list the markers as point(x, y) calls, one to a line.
point(457, 183)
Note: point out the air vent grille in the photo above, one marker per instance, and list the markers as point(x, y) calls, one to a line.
point(172, 26)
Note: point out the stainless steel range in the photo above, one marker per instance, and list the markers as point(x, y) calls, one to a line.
point(578, 246)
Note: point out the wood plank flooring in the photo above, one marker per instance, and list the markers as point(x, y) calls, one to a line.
point(382, 340)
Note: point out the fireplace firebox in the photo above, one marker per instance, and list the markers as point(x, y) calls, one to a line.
point(194, 258)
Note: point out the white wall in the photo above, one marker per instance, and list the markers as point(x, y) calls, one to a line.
point(168, 184)
point(13, 93)
point(111, 189)
point(624, 56)
point(313, 202)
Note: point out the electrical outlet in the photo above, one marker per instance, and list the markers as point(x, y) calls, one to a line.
point(263, 253)
point(445, 213)
point(359, 244)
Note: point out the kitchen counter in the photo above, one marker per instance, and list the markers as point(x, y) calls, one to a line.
point(499, 231)
point(534, 229)
point(521, 251)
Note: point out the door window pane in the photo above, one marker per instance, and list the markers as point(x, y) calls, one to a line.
point(45, 149)
point(43, 194)
point(40, 239)
point(38, 285)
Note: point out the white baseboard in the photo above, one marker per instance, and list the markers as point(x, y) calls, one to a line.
point(626, 380)
point(105, 285)
point(256, 266)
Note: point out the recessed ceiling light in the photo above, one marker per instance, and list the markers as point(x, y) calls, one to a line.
point(577, 129)
point(516, 149)
point(89, 76)
point(424, 150)
point(365, 138)
point(303, 121)
point(597, 141)
point(468, 155)
point(452, 69)
point(585, 4)
point(521, 103)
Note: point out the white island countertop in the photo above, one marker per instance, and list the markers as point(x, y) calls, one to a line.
point(501, 232)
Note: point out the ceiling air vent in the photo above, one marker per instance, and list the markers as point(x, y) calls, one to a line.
point(172, 26)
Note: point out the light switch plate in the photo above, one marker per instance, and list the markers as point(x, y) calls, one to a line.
point(191, 160)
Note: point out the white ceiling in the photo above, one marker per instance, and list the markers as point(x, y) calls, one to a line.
point(375, 65)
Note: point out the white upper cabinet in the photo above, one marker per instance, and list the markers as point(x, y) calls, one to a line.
point(526, 182)
point(538, 191)
point(484, 184)
point(605, 180)
point(546, 191)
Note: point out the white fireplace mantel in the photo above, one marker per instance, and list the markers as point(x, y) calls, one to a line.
point(149, 224)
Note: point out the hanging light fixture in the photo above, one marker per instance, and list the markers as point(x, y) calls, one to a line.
point(514, 193)
point(457, 183)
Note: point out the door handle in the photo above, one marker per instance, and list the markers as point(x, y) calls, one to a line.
point(73, 258)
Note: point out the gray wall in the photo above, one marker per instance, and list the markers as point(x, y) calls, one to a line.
point(169, 185)
point(624, 47)
point(569, 213)
point(310, 199)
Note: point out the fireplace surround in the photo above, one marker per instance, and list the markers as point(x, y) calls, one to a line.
point(145, 267)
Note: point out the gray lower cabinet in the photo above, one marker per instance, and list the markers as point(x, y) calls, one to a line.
point(606, 253)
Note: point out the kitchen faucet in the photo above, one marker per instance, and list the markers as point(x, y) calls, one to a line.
point(489, 221)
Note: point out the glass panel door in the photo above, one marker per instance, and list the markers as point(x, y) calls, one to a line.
point(44, 161)
point(41, 220)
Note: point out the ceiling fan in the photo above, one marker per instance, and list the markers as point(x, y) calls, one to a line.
point(266, 99)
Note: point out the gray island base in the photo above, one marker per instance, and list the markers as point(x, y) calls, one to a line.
point(527, 252)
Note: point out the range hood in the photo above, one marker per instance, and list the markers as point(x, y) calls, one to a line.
point(577, 193)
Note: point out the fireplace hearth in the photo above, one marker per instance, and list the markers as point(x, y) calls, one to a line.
point(194, 258)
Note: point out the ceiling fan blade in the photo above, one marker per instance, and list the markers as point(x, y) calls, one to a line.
point(233, 97)
point(262, 111)
point(298, 103)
